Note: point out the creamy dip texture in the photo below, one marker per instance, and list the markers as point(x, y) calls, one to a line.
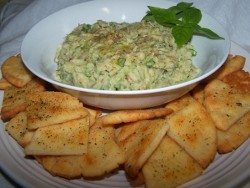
point(123, 56)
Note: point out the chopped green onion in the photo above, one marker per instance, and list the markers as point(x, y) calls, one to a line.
point(121, 62)
point(86, 28)
point(150, 63)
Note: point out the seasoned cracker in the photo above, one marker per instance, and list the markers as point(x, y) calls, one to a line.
point(232, 64)
point(4, 84)
point(126, 116)
point(94, 114)
point(27, 136)
point(63, 166)
point(17, 127)
point(69, 138)
point(239, 80)
point(14, 100)
point(124, 131)
point(139, 145)
point(15, 72)
point(103, 156)
point(198, 93)
point(194, 130)
point(178, 104)
point(49, 108)
point(169, 166)
point(237, 134)
point(225, 104)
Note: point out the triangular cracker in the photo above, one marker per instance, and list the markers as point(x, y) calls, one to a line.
point(17, 127)
point(225, 104)
point(68, 138)
point(109, 130)
point(126, 116)
point(15, 71)
point(232, 64)
point(198, 93)
point(139, 145)
point(124, 131)
point(14, 100)
point(239, 80)
point(93, 115)
point(52, 98)
point(237, 134)
point(193, 129)
point(4, 84)
point(180, 103)
point(48, 108)
point(102, 157)
point(28, 137)
point(169, 166)
point(64, 166)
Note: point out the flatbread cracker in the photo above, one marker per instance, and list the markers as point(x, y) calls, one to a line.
point(15, 72)
point(109, 130)
point(232, 64)
point(126, 116)
point(237, 134)
point(4, 84)
point(124, 131)
point(225, 104)
point(54, 98)
point(94, 114)
point(194, 130)
point(27, 136)
point(67, 167)
point(49, 108)
point(69, 138)
point(17, 127)
point(14, 100)
point(139, 145)
point(239, 80)
point(180, 103)
point(103, 156)
point(198, 93)
point(169, 166)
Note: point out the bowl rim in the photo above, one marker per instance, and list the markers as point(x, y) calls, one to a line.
point(197, 79)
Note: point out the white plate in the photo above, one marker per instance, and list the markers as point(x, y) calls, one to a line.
point(227, 170)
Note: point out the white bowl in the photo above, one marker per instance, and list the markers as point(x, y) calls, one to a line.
point(40, 44)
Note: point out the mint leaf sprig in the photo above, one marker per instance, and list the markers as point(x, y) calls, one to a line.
point(183, 19)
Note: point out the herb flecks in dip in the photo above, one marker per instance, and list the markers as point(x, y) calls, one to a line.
point(123, 56)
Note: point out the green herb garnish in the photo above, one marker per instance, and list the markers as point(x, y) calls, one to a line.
point(183, 19)
point(86, 28)
point(121, 62)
